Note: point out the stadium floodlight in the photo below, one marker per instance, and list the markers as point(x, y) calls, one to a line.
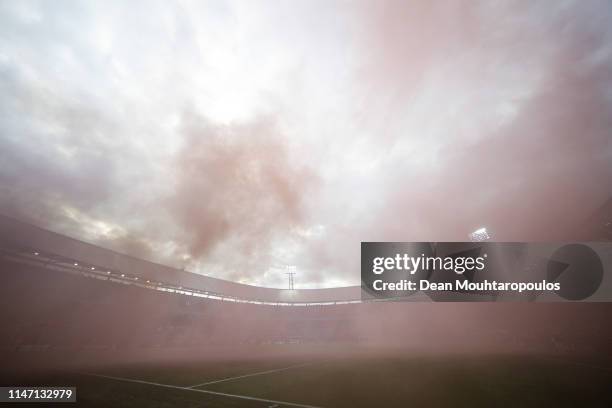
point(481, 234)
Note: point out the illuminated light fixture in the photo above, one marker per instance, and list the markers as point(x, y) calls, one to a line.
point(35, 253)
point(76, 264)
point(481, 234)
point(122, 275)
point(93, 268)
point(148, 281)
point(136, 278)
point(108, 272)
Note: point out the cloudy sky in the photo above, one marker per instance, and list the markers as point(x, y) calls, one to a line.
point(235, 138)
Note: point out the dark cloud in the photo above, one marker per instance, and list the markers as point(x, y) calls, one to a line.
point(62, 163)
point(52, 151)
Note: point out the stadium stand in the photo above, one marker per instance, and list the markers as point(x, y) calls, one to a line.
point(58, 292)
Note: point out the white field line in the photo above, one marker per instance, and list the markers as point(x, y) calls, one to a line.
point(276, 370)
point(223, 394)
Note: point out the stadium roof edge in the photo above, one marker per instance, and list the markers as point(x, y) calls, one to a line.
point(24, 235)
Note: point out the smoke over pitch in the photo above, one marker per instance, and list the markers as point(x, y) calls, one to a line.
point(394, 121)
point(237, 187)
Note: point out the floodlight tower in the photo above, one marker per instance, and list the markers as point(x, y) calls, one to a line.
point(481, 234)
point(290, 275)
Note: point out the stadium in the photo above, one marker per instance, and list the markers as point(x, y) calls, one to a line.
point(306, 203)
point(127, 332)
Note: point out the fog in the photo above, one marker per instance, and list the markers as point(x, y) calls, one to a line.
point(56, 321)
point(234, 139)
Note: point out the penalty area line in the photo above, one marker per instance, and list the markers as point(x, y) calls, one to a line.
point(276, 370)
point(222, 394)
